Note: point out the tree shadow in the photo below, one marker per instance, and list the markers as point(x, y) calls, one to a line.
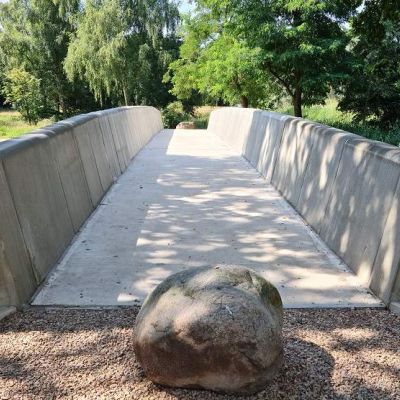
point(329, 354)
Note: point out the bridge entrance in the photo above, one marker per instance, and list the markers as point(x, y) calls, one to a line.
point(185, 201)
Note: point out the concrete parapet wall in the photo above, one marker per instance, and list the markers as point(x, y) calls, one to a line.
point(50, 183)
point(347, 188)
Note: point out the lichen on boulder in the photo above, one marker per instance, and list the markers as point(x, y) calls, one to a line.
point(216, 328)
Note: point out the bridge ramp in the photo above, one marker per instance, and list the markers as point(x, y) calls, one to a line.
point(187, 200)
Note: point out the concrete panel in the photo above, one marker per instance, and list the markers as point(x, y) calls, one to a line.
point(386, 264)
point(104, 167)
point(327, 145)
point(361, 200)
point(126, 127)
point(17, 281)
point(232, 125)
point(136, 134)
point(252, 145)
point(70, 168)
point(120, 141)
point(271, 141)
point(109, 144)
point(82, 134)
point(292, 160)
point(39, 200)
point(6, 311)
point(142, 131)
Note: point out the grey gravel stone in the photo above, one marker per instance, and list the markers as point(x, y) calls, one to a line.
point(88, 354)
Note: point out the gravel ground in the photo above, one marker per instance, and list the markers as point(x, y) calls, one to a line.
point(87, 354)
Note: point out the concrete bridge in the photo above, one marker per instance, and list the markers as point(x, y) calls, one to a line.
point(98, 209)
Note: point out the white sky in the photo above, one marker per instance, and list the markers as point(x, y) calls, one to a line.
point(185, 6)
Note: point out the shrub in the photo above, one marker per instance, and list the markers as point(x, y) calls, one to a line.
point(173, 114)
point(23, 91)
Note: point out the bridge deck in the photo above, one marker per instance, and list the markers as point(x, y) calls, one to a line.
point(187, 200)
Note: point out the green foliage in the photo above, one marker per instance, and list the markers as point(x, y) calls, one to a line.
point(216, 64)
point(173, 114)
point(23, 90)
point(13, 125)
point(122, 49)
point(301, 43)
point(329, 114)
point(86, 53)
point(35, 37)
point(97, 53)
point(373, 92)
point(201, 116)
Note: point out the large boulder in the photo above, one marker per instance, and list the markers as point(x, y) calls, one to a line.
point(216, 328)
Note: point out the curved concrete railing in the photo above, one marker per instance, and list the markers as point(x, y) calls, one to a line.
point(347, 188)
point(52, 180)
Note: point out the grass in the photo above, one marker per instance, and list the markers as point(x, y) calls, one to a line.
point(201, 116)
point(328, 114)
point(12, 125)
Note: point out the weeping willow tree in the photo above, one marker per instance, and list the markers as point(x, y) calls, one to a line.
point(121, 48)
point(34, 38)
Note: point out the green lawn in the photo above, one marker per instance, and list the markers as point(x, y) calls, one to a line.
point(328, 114)
point(12, 124)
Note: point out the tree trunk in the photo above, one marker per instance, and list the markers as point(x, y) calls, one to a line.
point(60, 94)
point(296, 100)
point(244, 101)
point(124, 89)
point(61, 103)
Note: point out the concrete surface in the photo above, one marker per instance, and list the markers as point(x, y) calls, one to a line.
point(18, 282)
point(360, 202)
point(188, 200)
point(70, 170)
point(395, 307)
point(87, 136)
point(50, 182)
point(6, 311)
point(39, 200)
point(345, 187)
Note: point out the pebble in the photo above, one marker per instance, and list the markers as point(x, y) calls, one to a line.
point(87, 354)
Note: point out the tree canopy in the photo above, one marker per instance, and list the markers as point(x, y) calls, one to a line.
point(120, 47)
point(215, 63)
point(34, 38)
point(90, 54)
point(80, 55)
point(373, 92)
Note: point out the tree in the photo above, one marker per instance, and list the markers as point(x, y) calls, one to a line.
point(373, 92)
point(2, 76)
point(215, 63)
point(123, 47)
point(23, 90)
point(302, 43)
point(35, 38)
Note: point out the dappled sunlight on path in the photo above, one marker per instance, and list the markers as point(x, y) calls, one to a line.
point(185, 201)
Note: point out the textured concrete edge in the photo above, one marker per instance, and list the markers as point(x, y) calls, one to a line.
point(43, 191)
point(6, 311)
point(294, 144)
point(395, 307)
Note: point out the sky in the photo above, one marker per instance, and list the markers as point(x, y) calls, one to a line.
point(185, 6)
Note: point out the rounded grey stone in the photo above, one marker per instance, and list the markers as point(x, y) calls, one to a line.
point(216, 328)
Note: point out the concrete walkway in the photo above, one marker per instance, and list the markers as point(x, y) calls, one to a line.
point(185, 201)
